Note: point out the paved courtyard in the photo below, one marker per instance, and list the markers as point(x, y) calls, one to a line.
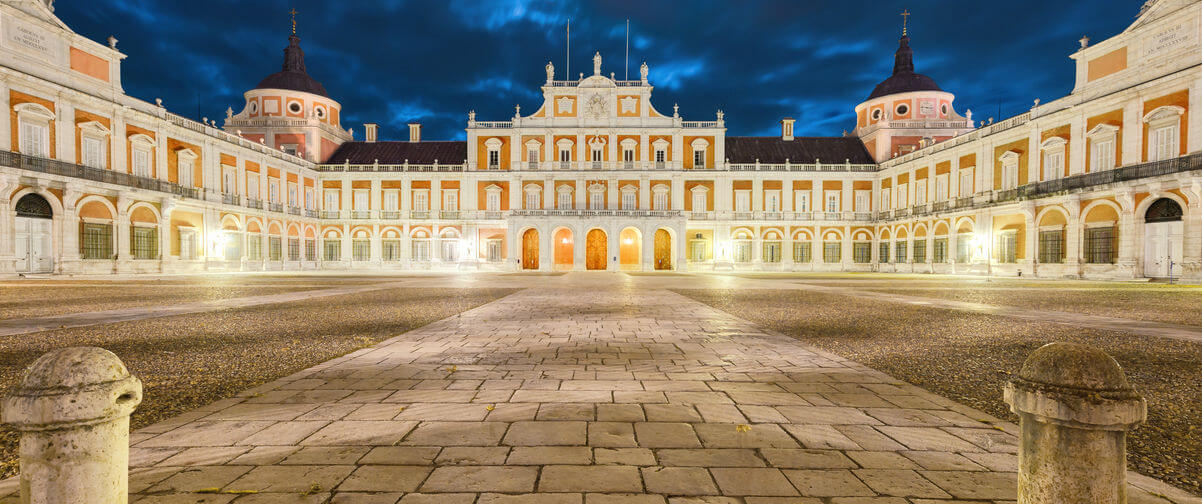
point(588, 388)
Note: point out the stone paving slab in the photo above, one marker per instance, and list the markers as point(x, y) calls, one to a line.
point(585, 395)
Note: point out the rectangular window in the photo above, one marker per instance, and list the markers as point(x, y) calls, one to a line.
point(97, 241)
point(1053, 165)
point(494, 159)
point(254, 248)
point(963, 247)
point(1051, 246)
point(359, 200)
point(832, 252)
point(332, 249)
point(629, 200)
point(885, 199)
point(360, 250)
point(661, 157)
point(596, 200)
point(141, 163)
point(532, 198)
point(698, 250)
point(274, 246)
point(802, 252)
point(493, 248)
point(331, 203)
point(252, 185)
point(939, 255)
point(292, 201)
point(185, 171)
point(392, 200)
point(832, 202)
point(861, 202)
point(660, 201)
point(742, 201)
point(1101, 155)
point(772, 251)
point(93, 152)
point(1099, 245)
point(1162, 143)
point(742, 251)
point(565, 200)
point(35, 139)
point(294, 253)
point(883, 251)
point(421, 201)
point(144, 242)
point(308, 198)
point(899, 251)
point(920, 251)
point(273, 190)
point(700, 203)
point(699, 159)
point(941, 187)
point(390, 250)
point(492, 201)
point(861, 252)
point(920, 192)
point(1006, 250)
point(801, 201)
point(311, 250)
point(966, 182)
point(772, 201)
point(532, 158)
point(420, 250)
point(1009, 175)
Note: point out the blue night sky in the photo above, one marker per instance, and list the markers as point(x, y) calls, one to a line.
point(430, 61)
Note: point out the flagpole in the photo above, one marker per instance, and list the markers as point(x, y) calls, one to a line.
point(568, 54)
point(627, 65)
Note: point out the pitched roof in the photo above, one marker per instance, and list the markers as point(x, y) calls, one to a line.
point(799, 150)
point(399, 152)
point(293, 75)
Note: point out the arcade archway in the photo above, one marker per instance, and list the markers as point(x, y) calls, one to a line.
point(564, 248)
point(530, 249)
point(630, 249)
point(596, 249)
point(663, 249)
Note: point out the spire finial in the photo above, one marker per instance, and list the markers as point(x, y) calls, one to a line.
point(293, 13)
point(905, 21)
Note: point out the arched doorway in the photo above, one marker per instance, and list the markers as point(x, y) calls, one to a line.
point(1162, 239)
point(596, 250)
point(663, 249)
point(530, 249)
point(34, 235)
point(630, 249)
point(564, 248)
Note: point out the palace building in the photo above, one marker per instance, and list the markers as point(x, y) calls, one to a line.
point(1103, 183)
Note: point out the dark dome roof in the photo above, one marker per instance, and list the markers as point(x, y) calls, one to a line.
point(293, 76)
point(904, 80)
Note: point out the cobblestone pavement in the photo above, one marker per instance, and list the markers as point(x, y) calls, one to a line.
point(592, 392)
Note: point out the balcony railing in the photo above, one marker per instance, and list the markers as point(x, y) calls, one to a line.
point(275, 207)
point(939, 206)
point(361, 214)
point(330, 214)
point(390, 214)
point(419, 214)
point(658, 214)
point(294, 210)
point(448, 214)
point(964, 202)
point(55, 167)
point(741, 215)
point(230, 199)
point(493, 215)
point(253, 203)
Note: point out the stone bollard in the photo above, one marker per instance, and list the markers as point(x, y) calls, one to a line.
point(72, 409)
point(1075, 408)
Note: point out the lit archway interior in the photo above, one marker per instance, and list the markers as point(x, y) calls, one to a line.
point(563, 247)
point(630, 247)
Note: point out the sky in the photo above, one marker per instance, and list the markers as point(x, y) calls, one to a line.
point(431, 61)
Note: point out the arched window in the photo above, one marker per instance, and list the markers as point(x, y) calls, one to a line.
point(1163, 210)
point(742, 247)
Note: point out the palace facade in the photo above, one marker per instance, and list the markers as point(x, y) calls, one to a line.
point(1102, 183)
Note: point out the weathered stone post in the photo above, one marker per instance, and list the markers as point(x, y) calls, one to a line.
point(1075, 408)
point(72, 409)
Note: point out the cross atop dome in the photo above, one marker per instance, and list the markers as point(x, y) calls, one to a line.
point(293, 13)
point(905, 21)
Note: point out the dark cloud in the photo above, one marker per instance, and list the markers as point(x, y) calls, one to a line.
point(399, 61)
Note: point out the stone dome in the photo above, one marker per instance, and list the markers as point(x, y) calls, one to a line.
point(904, 79)
point(293, 76)
point(1072, 365)
point(73, 367)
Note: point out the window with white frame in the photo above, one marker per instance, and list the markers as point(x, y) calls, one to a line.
point(421, 200)
point(920, 192)
point(863, 197)
point(699, 153)
point(660, 199)
point(629, 199)
point(772, 201)
point(273, 190)
point(966, 182)
point(801, 201)
point(742, 201)
point(34, 130)
point(596, 197)
point(292, 192)
point(494, 153)
point(885, 194)
point(252, 185)
point(1102, 140)
point(564, 198)
point(229, 182)
point(532, 154)
point(140, 146)
point(700, 199)
point(185, 167)
point(660, 148)
point(628, 146)
point(941, 187)
point(565, 155)
point(1164, 132)
point(93, 148)
point(308, 198)
point(1009, 170)
point(392, 200)
point(492, 199)
point(1053, 158)
point(359, 200)
point(832, 202)
point(533, 197)
point(903, 195)
point(331, 202)
point(450, 199)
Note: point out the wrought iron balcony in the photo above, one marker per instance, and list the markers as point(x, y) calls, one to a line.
point(55, 167)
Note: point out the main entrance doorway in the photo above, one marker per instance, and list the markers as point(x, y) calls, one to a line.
point(564, 248)
point(530, 250)
point(1162, 239)
point(596, 249)
point(34, 235)
point(663, 250)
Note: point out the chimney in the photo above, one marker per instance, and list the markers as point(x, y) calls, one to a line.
point(786, 129)
point(415, 132)
point(369, 132)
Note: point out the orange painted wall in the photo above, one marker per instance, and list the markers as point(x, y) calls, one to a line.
point(1106, 64)
point(89, 64)
point(1019, 146)
point(1063, 132)
point(83, 117)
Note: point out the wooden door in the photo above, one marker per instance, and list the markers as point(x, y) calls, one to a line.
point(530, 250)
point(663, 250)
point(596, 249)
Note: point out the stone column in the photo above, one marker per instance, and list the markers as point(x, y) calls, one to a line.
point(72, 410)
point(1075, 407)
